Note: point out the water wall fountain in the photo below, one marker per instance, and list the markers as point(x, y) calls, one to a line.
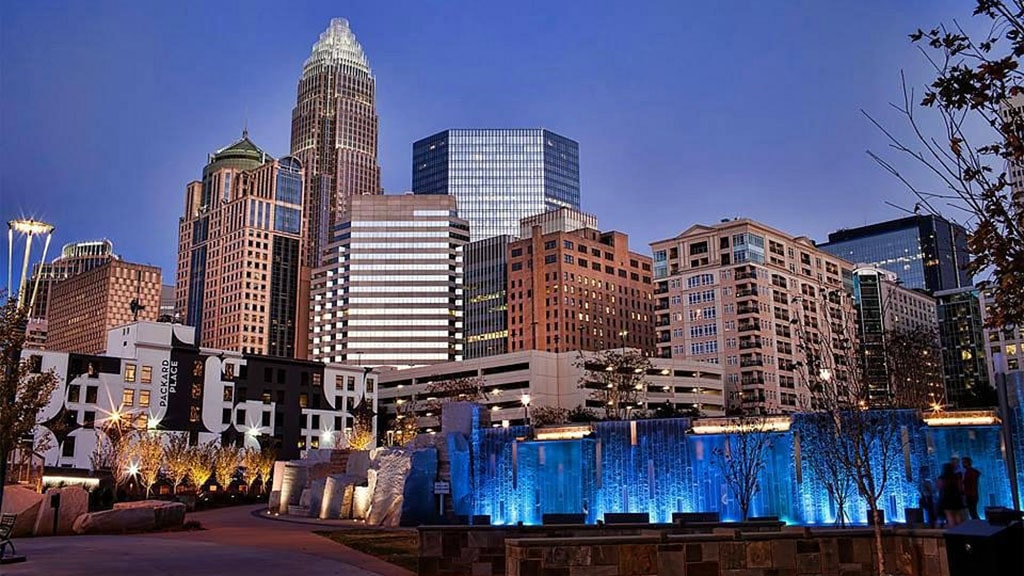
point(662, 466)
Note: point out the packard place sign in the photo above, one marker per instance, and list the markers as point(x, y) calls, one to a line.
point(168, 380)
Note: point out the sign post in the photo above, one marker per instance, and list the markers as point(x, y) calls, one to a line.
point(440, 489)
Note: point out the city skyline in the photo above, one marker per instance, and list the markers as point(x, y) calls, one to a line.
point(674, 147)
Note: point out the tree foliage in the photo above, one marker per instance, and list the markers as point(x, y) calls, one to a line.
point(24, 392)
point(200, 463)
point(617, 378)
point(226, 460)
point(362, 428)
point(972, 142)
point(549, 415)
point(146, 456)
point(176, 458)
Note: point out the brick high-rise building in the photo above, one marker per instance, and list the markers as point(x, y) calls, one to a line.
point(75, 258)
point(334, 132)
point(84, 307)
point(573, 287)
point(736, 293)
point(240, 280)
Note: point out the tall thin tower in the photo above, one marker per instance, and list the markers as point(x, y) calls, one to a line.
point(334, 132)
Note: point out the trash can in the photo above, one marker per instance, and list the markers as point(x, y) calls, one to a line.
point(977, 548)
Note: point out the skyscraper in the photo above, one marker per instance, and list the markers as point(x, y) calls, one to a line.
point(240, 282)
point(486, 297)
point(499, 176)
point(964, 350)
point(926, 252)
point(75, 258)
point(390, 289)
point(334, 132)
point(746, 296)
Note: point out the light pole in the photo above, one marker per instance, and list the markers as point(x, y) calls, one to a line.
point(525, 399)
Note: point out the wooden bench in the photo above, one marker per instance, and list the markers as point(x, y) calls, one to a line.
point(6, 528)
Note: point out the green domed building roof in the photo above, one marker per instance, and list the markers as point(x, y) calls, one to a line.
point(242, 154)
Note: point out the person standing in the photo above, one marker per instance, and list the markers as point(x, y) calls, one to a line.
point(951, 497)
point(970, 487)
point(926, 498)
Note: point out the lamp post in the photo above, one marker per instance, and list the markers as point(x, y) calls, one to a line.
point(525, 399)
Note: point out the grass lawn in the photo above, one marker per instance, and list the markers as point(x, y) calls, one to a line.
point(397, 546)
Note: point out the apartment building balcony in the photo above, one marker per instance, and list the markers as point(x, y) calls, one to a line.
point(662, 321)
point(747, 308)
point(756, 381)
point(746, 274)
point(664, 337)
point(746, 292)
point(748, 326)
point(748, 343)
point(748, 361)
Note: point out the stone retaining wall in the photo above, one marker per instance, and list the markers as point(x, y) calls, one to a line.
point(480, 550)
point(793, 552)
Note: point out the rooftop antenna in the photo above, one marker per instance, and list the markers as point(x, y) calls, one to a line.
point(245, 123)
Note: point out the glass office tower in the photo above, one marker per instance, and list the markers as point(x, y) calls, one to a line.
point(499, 176)
point(926, 252)
point(486, 297)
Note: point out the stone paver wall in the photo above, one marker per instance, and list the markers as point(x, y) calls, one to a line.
point(794, 552)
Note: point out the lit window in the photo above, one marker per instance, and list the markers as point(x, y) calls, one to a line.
point(128, 397)
point(129, 372)
point(147, 375)
point(143, 398)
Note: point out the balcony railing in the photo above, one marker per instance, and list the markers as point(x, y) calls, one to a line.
point(744, 293)
point(748, 327)
point(748, 344)
point(747, 309)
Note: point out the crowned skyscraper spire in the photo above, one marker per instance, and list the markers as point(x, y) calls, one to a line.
point(334, 132)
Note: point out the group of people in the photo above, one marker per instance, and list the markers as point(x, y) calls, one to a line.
point(953, 496)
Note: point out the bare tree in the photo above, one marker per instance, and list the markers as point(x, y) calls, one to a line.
point(24, 391)
point(403, 426)
point(548, 415)
point(362, 428)
point(617, 378)
point(113, 448)
point(742, 459)
point(176, 459)
point(265, 464)
point(250, 465)
point(977, 104)
point(863, 444)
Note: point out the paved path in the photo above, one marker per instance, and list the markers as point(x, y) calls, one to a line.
point(234, 543)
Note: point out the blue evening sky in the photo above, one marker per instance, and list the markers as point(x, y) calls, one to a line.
point(686, 112)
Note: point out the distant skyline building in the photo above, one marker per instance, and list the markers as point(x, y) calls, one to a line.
point(499, 176)
point(927, 252)
point(964, 350)
point(390, 291)
point(75, 258)
point(1008, 341)
point(334, 132)
point(739, 293)
point(486, 296)
point(573, 287)
point(240, 282)
point(84, 307)
point(885, 307)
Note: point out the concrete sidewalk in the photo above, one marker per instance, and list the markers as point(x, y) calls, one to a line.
point(235, 542)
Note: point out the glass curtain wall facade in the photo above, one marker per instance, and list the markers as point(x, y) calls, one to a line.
point(334, 132)
point(486, 297)
point(390, 291)
point(964, 364)
point(926, 252)
point(499, 176)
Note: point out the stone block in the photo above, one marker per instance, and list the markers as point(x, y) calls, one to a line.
point(593, 571)
point(784, 553)
point(671, 563)
point(638, 559)
point(567, 556)
point(703, 569)
point(74, 501)
point(386, 479)
point(316, 495)
point(274, 503)
point(170, 515)
point(605, 555)
point(25, 503)
point(330, 506)
point(358, 463)
point(117, 521)
point(732, 555)
point(808, 563)
point(759, 554)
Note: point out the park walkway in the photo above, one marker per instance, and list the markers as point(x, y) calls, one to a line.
point(235, 542)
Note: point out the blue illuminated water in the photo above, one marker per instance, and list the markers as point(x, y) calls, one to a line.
point(659, 467)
